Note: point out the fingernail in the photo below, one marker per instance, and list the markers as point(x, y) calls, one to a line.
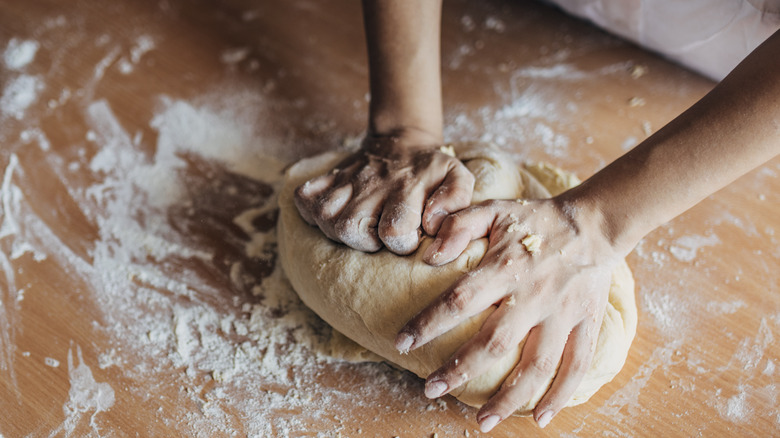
point(488, 423)
point(435, 389)
point(403, 343)
point(439, 213)
point(432, 253)
point(544, 419)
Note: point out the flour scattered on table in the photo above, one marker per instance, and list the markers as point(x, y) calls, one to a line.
point(86, 396)
point(142, 46)
point(19, 53)
point(685, 248)
point(19, 93)
point(183, 274)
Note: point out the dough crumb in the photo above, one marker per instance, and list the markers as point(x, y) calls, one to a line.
point(636, 101)
point(510, 302)
point(515, 225)
point(647, 128)
point(637, 71)
point(448, 150)
point(509, 262)
point(521, 201)
point(532, 243)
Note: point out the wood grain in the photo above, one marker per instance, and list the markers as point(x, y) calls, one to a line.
point(293, 74)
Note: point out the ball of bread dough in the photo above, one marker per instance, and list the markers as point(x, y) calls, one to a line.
point(369, 297)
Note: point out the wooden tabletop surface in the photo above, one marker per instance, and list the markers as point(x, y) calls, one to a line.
point(142, 145)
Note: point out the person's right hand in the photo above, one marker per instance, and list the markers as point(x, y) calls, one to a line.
point(384, 192)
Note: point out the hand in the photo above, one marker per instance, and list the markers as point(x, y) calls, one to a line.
point(547, 269)
point(382, 193)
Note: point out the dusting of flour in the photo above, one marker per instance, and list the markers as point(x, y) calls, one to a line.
point(183, 272)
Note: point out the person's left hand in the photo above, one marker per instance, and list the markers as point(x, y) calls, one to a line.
point(554, 294)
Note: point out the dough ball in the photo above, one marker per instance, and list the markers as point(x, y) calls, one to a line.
point(369, 297)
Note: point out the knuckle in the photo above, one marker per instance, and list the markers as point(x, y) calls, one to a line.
point(302, 192)
point(458, 299)
point(500, 342)
point(469, 177)
point(491, 203)
point(460, 195)
point(457, 221)
point(441, 192)
point(318, 209)
point(466, 179)
point(579, 366)
point(542, 364)
point(345, 227)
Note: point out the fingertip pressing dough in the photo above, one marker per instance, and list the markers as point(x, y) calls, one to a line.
point(369, 296)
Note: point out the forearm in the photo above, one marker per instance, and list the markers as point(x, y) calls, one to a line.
point(732, 130)
point(404, 51)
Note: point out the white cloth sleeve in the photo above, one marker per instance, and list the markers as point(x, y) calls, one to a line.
point(708, 36)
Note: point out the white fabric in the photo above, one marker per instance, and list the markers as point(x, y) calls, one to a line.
point(708, 36)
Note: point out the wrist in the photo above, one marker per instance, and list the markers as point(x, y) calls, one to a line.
point(416, 124)
point(401, 139)
point(619, 230)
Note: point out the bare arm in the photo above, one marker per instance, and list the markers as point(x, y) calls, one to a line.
point(556, 296)
point(399, 183)
point(403, 46)
point(732, 130)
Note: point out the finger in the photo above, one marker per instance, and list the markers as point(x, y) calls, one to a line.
point(333, 202)
point(399, 226)
point(316, 185)
point(470, 294)
point(577, 357)
point(356, 226)
point(328, 207)
point(454, 194)
point(457, 231)
point(500, 334)
point(539, 360)
point(307, 194)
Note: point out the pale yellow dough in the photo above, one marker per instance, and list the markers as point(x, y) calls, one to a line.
point(369, 297)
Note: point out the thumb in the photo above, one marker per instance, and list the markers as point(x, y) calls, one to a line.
point(457, 231)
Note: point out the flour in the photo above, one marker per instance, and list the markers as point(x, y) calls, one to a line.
point(143, 45)
point(234, 56)
point(751, 350)
point(217, 324)
point(19, 93)
point(685, 248)
point(725, 308)
point(86, 396)
point(562, 71)
point(534, 102)
point(528, 116)
point(769, 370)
point(19, 53)
point(226, 332)
point(669, 309)
point(737, 407)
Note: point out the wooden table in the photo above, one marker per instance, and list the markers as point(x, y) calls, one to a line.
point(141, 146)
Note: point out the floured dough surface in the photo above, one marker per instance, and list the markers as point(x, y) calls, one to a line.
point(369, 297)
